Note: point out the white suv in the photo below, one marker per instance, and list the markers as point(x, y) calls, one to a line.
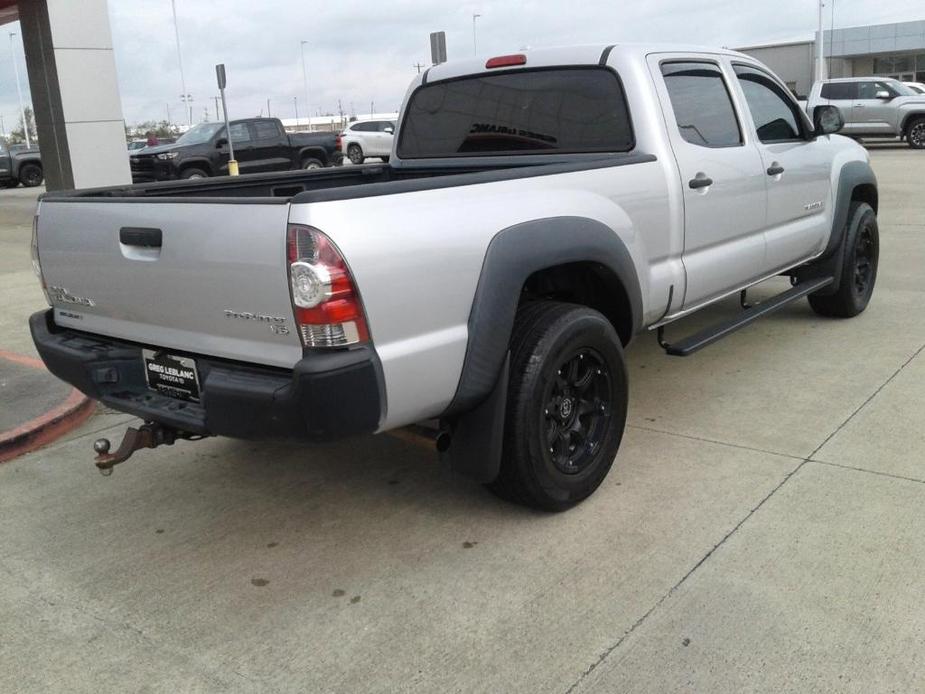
point(371, 138)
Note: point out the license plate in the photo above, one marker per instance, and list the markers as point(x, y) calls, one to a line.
point(171, 375)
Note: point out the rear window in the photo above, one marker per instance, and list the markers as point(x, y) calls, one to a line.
point(560, 111)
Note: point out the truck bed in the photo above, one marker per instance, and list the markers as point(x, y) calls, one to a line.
point(347, 182)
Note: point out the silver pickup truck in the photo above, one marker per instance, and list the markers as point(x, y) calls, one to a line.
point(539, 210)
point(874, 107)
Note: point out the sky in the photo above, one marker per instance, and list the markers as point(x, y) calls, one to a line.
point(364, 53)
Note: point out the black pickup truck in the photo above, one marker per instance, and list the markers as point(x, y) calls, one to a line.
point(260, 144)
point(20, 166)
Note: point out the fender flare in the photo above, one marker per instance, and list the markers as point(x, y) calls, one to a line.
point(908, 117)
point(18, 161)
point(513, 255)
point(829, 264)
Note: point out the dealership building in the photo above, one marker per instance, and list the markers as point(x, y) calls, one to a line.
point(886, 50)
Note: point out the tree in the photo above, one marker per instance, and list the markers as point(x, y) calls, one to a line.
point(18, 134)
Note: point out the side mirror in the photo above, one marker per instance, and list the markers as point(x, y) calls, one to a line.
point(390, 130)
point(221, 142)
point(827, 120)
point(883, 94)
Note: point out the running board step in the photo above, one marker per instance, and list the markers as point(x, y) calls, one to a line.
point(708, 336)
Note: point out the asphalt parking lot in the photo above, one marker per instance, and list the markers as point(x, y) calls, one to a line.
point(762, 530)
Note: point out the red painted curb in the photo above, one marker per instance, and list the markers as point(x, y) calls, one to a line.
point(45, 428)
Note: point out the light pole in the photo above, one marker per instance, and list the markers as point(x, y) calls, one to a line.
point(305, 85)
point(22, 108)
point(187, 98)
point(820, 46)
point(475, 45)
point(295, 105)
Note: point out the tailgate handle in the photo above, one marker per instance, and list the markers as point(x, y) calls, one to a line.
point(141, 236)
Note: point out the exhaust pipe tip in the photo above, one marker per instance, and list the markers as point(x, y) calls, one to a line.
point(443, 440)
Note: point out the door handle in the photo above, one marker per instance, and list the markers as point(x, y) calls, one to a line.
point(700, 182)
point(776, 170)
point(141, 236)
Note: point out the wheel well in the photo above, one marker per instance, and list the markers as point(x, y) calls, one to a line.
point(318, 154)
point(866, 192)
point(205, 166)
point(31, 163)
point(910, 119)
point(587, 283)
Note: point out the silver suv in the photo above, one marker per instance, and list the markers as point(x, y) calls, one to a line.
point(874, 107)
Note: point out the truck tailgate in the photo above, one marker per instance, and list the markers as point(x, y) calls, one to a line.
point(217, 284)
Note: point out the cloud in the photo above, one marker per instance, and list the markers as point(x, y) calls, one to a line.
point(362, 52)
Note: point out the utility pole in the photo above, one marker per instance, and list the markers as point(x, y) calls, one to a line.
point(475, 44)
point(218, 113)
point(295, 105)
point(372, 108)
point(22, 108)
point(418, 66)
point(820, 48)
point(268, 109)
point(308, 106)
point(185, 97)
point(2, 128)
point(168, 115)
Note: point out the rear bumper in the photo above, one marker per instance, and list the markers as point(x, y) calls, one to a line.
point(327, 395)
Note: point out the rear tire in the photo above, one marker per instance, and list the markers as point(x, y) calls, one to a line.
point(566, 407)
point(311, 163)
point(355, 154)
point(31, 175)
point(193, 172)
point(915, 133)
point(861, 252)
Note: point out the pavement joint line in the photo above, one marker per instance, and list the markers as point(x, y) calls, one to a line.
point(869, 472)
point(626, 634)
point(715, 441)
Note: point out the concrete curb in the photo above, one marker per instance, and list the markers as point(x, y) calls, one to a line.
point(42, 430)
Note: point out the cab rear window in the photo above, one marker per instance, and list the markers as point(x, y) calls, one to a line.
point(557, 111)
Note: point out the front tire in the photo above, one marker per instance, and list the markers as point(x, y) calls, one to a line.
point(566, 408)
point(193, 173)
point(861, 253)
point(355, 154)
point(915, 133)
point(31, 175)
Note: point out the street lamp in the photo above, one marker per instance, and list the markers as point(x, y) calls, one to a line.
point(185, 97)
point(475, 45)
point(22, 108)
point(305, 85)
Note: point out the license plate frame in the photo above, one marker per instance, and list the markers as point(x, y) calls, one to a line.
point(171, 375)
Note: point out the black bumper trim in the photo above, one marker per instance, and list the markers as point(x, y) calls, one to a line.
point(327, 395)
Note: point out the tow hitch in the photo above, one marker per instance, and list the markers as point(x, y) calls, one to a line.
point(150, 435)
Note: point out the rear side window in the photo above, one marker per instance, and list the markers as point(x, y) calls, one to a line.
point(701, 104)
point(840, 90)
point(550, 111)
point(369, 127)
point(266, 130)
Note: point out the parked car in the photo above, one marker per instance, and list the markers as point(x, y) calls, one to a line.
point(137, 145)
point(874, 107)
point(917, 87)
point(20, 165)
point(540, 210)
point(260, 145)
point(371, 138)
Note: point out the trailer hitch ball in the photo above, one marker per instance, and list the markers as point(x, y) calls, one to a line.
point(101, 446)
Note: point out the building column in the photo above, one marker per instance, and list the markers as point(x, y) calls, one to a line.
point(75, 93)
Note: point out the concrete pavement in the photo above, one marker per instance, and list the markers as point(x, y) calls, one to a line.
point(761, 531)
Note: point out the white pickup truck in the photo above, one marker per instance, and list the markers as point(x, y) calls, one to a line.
point(539, 210)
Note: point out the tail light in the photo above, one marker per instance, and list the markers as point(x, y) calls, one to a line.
point(338, 141)
point(327, 306)
point(36, 261)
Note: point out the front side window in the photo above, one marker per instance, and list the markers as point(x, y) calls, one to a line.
point(521, 112)
point(773, 113)
point(701, 104)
